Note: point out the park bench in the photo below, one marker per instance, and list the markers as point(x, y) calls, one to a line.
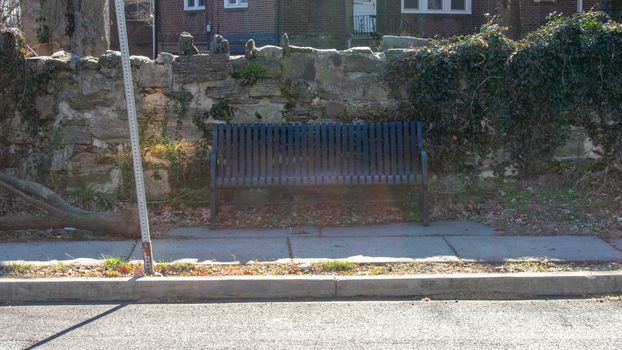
point(249, 156)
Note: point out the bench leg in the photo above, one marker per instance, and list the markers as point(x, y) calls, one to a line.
point(424, 186)
point(423, 204)
point(212, 196)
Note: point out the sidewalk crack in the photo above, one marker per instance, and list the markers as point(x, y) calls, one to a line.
point(289, 248)
point(451, 247)
point(129, 256)
point(611, 244)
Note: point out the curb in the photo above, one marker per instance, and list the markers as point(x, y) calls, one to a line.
point(167, 289)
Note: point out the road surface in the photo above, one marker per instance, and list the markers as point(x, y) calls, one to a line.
point(556, 324)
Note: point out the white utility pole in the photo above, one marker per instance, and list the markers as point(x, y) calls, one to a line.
point(133, 122)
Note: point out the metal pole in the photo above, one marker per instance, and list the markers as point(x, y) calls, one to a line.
point(133, 123)
point(153, 30)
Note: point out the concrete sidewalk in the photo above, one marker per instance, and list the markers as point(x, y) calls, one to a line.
point(441, 242)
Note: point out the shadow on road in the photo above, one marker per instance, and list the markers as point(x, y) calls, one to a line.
point(83, 323)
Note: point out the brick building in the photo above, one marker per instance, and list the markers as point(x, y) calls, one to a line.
point(326, 23)
point(443, 18)
point(171, 18)
point(319, 23)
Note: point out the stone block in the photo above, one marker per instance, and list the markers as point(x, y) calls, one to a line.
point(359, 50)
point(152, 106)
point(299, 66)
point(155, 76)
point(138, 61)
point(578, 146)
point(45, 106)
point(110, 59)
point(263, 111)
point(273, 68)
point(395, 54)
point(196, 68)
point(105, 125)
point(222, 88)
point(401, 42)
point(76, 135)
point(156, 185)
point(86, 163)
point(89, 62)
point(92, 82)
point(269, 51)
point(265, 88)
point(165, 58)
point(335, 109)
point(362, 63)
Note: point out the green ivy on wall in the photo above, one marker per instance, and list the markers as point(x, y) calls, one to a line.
point(483, 93)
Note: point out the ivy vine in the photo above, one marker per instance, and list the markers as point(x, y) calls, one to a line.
point(485, 97)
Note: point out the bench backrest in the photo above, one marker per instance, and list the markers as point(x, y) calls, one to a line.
point(322, 153)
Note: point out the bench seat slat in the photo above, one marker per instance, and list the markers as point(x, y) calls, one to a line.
point(253, 155)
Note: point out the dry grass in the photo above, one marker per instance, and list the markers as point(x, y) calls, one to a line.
point(119, 268)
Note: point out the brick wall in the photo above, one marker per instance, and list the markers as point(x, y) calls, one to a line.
point(174, 20)
point(612, 7)
point(139, 36)
point(257, 21)
point(318, 23)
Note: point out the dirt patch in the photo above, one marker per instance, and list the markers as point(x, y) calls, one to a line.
point(573, 201)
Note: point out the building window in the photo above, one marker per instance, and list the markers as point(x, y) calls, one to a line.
point(437, 6)
point(232, 4)
point(192, 5)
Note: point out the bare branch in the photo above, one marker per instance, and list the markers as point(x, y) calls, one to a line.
point(61, 214)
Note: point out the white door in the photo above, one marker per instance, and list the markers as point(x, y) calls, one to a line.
point(364, 16)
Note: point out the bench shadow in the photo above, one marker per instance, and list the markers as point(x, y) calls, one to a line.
point(76, 326)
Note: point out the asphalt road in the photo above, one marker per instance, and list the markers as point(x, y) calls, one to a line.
point(558, 324)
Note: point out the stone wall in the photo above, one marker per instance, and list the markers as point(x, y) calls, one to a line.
point(71, 129)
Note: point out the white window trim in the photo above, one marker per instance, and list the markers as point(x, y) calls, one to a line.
point(238, 5)
point(196, 6)
point(423, 4)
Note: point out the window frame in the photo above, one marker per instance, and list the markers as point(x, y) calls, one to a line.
point(423, 8)
point(238, 5)
point(196, 6)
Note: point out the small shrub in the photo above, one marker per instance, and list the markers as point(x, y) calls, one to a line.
point(221, 111)
point(251, 73)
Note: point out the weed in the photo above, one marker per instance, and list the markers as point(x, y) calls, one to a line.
point(84, 195)
point(413, 215)
point(115, 263)
point(567, 195)
point(251, 73)
point(221, 111)
point(183, 102)
point(511, 194)
point(111, 273)
point(21, 268)
point(272, 220)
point(60, 267)
point(337, 266)
point(184, 266)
